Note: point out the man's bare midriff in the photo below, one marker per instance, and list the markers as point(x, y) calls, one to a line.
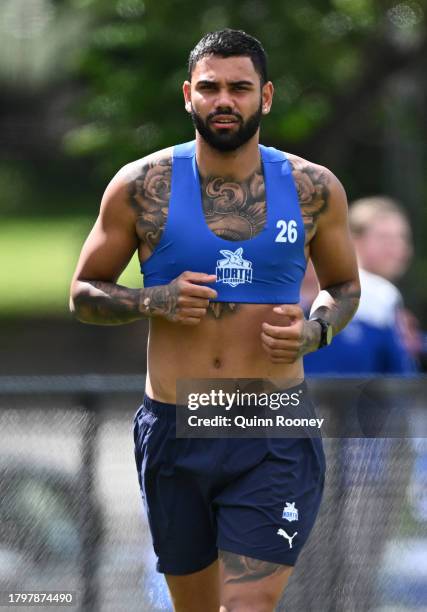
point(228, 347)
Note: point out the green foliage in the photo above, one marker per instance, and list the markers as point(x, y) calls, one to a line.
point(38, 41)
point(134, 63)
point(105, 76)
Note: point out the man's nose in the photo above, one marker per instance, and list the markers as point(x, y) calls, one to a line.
point(224, 100)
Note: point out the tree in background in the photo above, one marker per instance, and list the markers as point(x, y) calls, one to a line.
point(88, 85)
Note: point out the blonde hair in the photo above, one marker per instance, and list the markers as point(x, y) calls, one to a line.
point(364, 211)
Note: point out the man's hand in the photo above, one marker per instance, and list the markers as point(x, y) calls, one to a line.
point(291, 340)
point(184, 300)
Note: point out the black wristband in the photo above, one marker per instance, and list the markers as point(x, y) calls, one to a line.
point(326, 332)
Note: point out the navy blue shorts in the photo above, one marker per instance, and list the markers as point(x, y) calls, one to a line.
point(257, 497)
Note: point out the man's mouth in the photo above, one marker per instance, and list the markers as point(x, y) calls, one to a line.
point(223, 121)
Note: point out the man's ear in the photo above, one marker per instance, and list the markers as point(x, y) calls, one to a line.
point(267, 97)
point(186, 90)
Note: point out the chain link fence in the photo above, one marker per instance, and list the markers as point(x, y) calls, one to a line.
point(71, 517)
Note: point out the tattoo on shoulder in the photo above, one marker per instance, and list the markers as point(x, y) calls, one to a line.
point(234, 210)
point(312, 184)
point(149, 195)
point(239, 568)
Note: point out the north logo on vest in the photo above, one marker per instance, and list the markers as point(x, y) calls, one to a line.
point(233, 270)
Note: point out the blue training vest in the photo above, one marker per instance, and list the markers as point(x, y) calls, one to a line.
point(266, 269)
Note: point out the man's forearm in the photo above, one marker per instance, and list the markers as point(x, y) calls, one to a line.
point(103, 303)
point(337, 304)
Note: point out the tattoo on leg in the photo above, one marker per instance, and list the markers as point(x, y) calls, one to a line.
point(239, 568)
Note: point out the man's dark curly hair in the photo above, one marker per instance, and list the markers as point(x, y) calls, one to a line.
point(230, 43)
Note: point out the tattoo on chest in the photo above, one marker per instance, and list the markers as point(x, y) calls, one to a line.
point(313, 192)
point(217, 310)
point(234, 210)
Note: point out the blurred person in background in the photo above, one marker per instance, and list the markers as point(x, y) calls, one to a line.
point(382, 235)
point(372, 343)
point(383, 240)
point(382, 338)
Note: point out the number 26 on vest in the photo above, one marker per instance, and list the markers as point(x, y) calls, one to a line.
point(288, 231)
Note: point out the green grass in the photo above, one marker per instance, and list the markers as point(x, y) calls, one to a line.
point(37, 258)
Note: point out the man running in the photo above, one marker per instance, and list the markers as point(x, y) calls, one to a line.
point(223, 228)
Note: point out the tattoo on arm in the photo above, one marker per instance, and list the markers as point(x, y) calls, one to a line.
point(149, 195)
point(311, 338)
point(312, 184)
point(159, 301)
point(115, 305)
point(337, 304)
point(239, 569)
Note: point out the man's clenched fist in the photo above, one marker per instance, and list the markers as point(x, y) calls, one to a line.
point(295, 337)
point(183, 300)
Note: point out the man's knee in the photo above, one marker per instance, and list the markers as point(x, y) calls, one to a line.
point(264, 602)
point(245, 608)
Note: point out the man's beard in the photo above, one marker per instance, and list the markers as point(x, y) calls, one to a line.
point(225, 140)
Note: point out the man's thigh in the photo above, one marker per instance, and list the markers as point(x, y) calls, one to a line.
point(268, 512)
point(250, 585)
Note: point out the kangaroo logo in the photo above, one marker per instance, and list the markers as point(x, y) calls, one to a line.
point(283, 533)
point(233, 270)
point(290, 513)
